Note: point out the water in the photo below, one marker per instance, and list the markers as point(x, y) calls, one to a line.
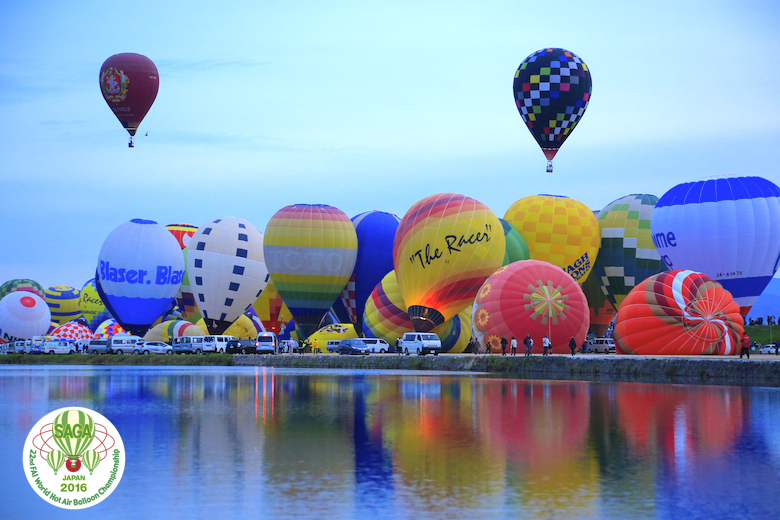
point(265, 443)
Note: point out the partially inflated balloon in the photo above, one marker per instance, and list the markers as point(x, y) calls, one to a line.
point(92, 308)
point(552, 89)
point(728, 229)
point(385, 315)
point(226, 269)
point(311, 252)
point(455, 333)
point(558, 230)
point(109, 328)
point(516, 248)
point(23, 315)
point(375, 234)
point(72, 331)
point(63, 302)
point(185, 298)
point(167, 331)
point(182, 232)
point(242, 327)
point(627, 255)
point(602, 312)
point(531, 297)
point(129, 84)
point(678, 313)
point(271, 309)
point(445, 247)
point(140, 269)
point(21, 284)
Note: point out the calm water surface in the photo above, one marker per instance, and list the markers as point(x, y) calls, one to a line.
point(265, 443)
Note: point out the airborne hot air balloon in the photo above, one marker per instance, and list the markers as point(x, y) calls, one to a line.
point(728, 229)
point(445, 247)
point(530, 297)
point(558, 230)
point(129, 84)
point(140, 269)
point(311, 251)
point(552, 89)
point(678, 313)
point(375, 234)
point(227, 271)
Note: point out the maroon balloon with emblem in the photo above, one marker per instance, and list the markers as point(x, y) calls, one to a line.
point(129, 83)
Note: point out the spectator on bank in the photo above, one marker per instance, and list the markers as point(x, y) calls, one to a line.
point(513, 346)
point(745, 342)
point(503, 345)
point(529, 343)
point(546, 345)
point(572, 345)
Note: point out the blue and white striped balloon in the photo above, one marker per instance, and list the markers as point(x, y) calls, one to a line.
point(726, 228)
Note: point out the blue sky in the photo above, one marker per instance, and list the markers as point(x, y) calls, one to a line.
point(360, 105)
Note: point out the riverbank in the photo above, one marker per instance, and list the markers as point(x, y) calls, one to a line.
point(758, 371)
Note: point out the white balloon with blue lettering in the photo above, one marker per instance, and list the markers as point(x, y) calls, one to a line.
point(727, 228)
point(226, 269)
point(140, 270)
point(23, 315)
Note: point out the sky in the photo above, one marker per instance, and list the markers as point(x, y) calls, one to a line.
point(362, 106)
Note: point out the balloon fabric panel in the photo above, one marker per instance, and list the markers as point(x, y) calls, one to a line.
point(22, 284)
point(516, 247)
point(63, 302)
point(183, 233)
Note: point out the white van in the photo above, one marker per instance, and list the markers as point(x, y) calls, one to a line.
point(122, 344)
point(601, 346)
point(98, 346)
point(34, 345)
point(188, 345)
point(421, 343)
point(215, 343)
point(58, 346)
point(377, 346)
point(267, 343)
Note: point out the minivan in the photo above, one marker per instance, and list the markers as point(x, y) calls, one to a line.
point(122, 344)
point(98, 346)
point(421, 343)
point(58, 346)
point(266, 343)
point(215, 343)
point(188, 345)
point(378, 346)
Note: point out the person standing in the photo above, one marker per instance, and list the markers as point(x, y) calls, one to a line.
point(745, 345)
point(546, 344)
point(513, 346)
point(572, 345)
point(503, 345)
point(528, 344)
point(315, 347)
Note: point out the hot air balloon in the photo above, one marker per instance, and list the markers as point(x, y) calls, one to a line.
point(311, 252)
point(552, 89)
point(23, 315)
point(185, 298)
point(678, 313)
point(385, 315)
point(109, 328)
point(140, 269)
point(226, 267)
point(558, 230)
point(182, 232)
point(375, 234)
point(167, 331)
point(530, 297)
point(270, 308)
point(55, 459)
point(728, 229)
point(445, 247)
point(22, 284)
point(455, 333)
point(63, 302)
point(92, 308)
point(516, 247)
point(91, 459)
point(72, 331)
point(602, 312)
point(129, 83)
point(627, 255)
point(73, 431)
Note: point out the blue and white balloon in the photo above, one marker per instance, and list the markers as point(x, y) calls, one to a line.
point(726, 228)
point(140, 269)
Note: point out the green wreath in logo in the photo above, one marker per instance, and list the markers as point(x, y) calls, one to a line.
point(114, 90)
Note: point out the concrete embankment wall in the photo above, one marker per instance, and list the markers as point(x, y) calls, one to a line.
point(696, 370)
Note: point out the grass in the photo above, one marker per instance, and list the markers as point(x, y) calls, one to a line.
point(761, 334)
point(82, 359)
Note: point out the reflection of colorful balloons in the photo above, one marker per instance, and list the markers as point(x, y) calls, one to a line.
point(445, 247)
point(627, 255)
point(516, 248)
point(63, 302)
point(311, 252)
point(678, 313)
point(552, 89)
point(185, 298)
point(226, 268)
point(728, 229)
point(72, 331)
point(531, 297)
point(129, 83)
point(182, 232)
point(375, 234)
point(22, 284)
point(23, 315)
point(558, 230)
point(108, 328)
point(91, 306)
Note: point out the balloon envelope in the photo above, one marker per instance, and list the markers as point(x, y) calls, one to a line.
point(129, 83)
point(552, 89)
point(63, 302)
point(182, 232)
point(185, 298)
point(23, 315)
point(271, 310)
point(92, 308)
point(516, 247)
point(109, 328)
point(22, 284)
point(140, 269)
point(226, 269)
point(72, 331)
point(678, 313)
point(311, 252)
point(445, 248)
point(727, 228)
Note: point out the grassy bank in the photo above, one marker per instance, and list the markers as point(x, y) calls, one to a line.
point(155, 360)
point(761, 333)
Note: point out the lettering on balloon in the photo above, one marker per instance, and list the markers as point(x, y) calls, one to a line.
point(580, 267)
point(165, 275)
point(664, 240)
point(455, 244)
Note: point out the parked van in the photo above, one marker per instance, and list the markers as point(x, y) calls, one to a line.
point(215, 343)
point(333, 346)
point(58, 346)
point(267, 343)
point(34, 345)
point(98, 346)
point(378, 346)
point(421, 343)
point(601, 345)
point(188, 345)
point(122, 344)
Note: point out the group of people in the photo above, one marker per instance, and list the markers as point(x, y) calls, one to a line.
point(528, 342)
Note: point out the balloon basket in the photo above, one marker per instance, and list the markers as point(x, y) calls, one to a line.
point(549, 167)
point(73, 465)
point(131, 144)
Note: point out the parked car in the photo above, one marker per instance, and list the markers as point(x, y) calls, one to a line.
point(267, 342)
point(215, 343)
point(770, 348)
point(58, 346)
point(378, 346)
point(183, 345)
point(333, 345)
point(98, 346)
point(241, 346)
point(421, 343)
point(152, 347)
point(601, 346)
point(354, 346)
point(122, 344)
